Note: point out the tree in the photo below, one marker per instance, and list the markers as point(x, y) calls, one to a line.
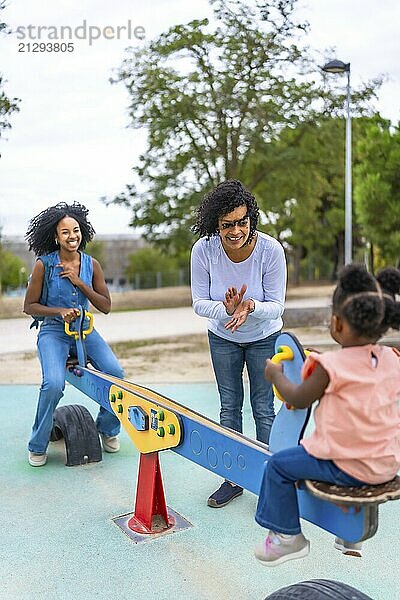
point(239, 101)
point(146, 263)
point(7, 105)
point(377, 189)
point(212, 101)
point(13, 272)
point(96, 249)
point(304, 194)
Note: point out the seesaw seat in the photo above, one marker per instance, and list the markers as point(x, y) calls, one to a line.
point(364, 495)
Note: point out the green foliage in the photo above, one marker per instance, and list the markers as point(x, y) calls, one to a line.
point(13, 273)
point(151, 267)
point(241, 100)
point(96, 249)
point(149, 260)
point(303, 197)
point(212, 101)
point(7, 105)
point(377, 190)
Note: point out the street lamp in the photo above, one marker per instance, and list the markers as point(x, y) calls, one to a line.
point(22, 272)
point(337, 66)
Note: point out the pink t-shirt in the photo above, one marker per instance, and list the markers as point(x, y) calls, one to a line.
point(357, 420)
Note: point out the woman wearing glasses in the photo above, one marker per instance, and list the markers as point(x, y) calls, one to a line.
point(238, 279)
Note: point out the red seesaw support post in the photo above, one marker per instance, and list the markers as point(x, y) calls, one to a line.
point(150, 515)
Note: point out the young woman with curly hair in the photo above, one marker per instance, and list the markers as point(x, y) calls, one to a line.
point(238, 279)
point(58, 236)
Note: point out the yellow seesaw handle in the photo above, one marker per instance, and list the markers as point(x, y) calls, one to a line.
point(88, 315)
point(284, 353)
point(85, 332)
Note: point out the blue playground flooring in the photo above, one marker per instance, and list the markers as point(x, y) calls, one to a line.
point(58, 538)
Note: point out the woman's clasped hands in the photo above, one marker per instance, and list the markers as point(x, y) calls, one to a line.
point(237, 308)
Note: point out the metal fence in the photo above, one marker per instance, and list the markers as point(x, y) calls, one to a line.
point(159, 279)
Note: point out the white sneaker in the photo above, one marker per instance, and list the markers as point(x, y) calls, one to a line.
point(277, 549)
point(348, 548)
point(110, 444)
point(37, 460)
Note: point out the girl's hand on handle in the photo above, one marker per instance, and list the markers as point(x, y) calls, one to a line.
point(69, 314)
point(233, 298)
point(271, 370)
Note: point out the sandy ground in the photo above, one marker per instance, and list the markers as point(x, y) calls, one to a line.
point(177, 359)
point(167, 360)
point(174, 359)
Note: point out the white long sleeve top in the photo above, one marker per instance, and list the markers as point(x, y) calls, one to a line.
point(264, 273)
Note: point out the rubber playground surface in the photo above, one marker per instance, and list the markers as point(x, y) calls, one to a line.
point(59, 540)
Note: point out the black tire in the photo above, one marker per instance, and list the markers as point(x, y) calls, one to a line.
point(318, 589)
point(56, 434)
point(75, 424)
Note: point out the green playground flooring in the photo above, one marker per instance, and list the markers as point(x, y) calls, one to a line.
point(58, 538)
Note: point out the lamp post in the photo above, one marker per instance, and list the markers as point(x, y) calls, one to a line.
point(338, 66)
point(22, 272)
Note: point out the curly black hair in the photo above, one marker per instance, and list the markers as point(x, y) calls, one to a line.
point(367, 303)
point(222, 200)
point(42, 229)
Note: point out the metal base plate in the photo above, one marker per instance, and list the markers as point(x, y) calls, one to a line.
point(180, 524)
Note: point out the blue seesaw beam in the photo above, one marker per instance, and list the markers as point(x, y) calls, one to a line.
point(226, 452)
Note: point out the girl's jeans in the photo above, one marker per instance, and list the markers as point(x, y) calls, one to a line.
point(277, 507)
point(228, 359)
point(53, 349)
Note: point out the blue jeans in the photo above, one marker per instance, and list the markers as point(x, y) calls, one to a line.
point(228, 359)
point(277, 507)
point(54, 347)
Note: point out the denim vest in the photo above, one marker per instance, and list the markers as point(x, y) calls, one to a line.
point(61, 292)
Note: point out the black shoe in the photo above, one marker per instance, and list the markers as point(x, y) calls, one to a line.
point(224, 495)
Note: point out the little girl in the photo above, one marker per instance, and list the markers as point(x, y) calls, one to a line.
point(356, 438)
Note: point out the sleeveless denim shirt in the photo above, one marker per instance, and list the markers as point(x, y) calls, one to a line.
point(61, 292)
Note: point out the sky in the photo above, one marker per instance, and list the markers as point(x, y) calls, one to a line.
point(71, 140)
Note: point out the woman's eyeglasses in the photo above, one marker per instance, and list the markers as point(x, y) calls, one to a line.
point(243, 222)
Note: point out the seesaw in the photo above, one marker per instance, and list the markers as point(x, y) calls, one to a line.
point(154, 423)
